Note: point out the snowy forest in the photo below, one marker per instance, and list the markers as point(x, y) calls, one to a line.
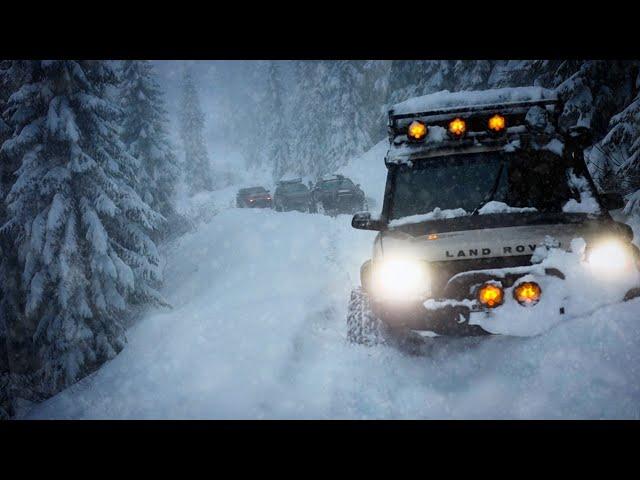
point(102, 162)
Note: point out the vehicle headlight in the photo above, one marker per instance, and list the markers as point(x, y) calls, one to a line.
point(400, 279)
point(610, 258)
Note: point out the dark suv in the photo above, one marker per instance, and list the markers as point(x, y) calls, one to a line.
point(253, 197)
point(335, 194)
point(292, 195)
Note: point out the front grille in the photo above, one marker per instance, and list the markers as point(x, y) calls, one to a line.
point(442, 272)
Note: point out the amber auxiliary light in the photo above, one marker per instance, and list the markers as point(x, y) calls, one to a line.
point(497, 123)
point(417, 131)
point(527, 293)
point(490, 295)
point(457, 127)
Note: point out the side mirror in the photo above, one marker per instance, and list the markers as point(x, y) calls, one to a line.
point(363, 221)
point(612, 200)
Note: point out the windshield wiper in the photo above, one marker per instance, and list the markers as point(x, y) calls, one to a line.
point(492, 192)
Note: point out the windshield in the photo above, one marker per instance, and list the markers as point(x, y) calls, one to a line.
point(292, 188)
point(340, 183)
point(535, 180)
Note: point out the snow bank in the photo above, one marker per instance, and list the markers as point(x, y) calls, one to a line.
point(204, 206)
point(258, 331)
point(446, 99)
point(370, 172)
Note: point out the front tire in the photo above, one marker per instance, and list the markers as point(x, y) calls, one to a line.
point(363, 327)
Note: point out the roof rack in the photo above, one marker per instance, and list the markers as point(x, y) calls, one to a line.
point(476, 116)
point(473, 109)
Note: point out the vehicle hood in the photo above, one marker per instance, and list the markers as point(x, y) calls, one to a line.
point(484, 243)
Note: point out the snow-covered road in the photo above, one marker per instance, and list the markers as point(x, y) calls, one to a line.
point(258, 331)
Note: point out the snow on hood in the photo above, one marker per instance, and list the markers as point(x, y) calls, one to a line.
point(501, 207)
point(439, 214)
point(447, 99)
point(435, 214)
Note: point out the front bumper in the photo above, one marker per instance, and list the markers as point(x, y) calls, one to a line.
point(448, 319)
point(458, 312)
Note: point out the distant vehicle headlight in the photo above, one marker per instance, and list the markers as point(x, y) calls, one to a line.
point(400, 279)
point(610, 258)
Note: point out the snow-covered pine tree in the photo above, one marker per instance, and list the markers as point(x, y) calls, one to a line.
point(374, 94)
point(412, 78)
point(595, 92)
point(472, 74)
point(12, 342)
point(144, 133)
point(349, 119)
point(276, 128)
point(608, 179)
point(80, 227)
point(623, 143)
point(308, 123)
point(254, 116)
point(196, 160)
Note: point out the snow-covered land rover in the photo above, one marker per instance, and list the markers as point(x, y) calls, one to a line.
point(491, 223)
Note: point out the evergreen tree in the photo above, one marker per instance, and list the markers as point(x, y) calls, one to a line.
point(277, 134)
point(349, 119)
point(472, 74)
point(81, 229)
point(413, 78)
point(13, 344)
point(196, 160)
point(374, 94)
point(144, 133)
point(308, 124)
point(622, 142)
point(255, 116)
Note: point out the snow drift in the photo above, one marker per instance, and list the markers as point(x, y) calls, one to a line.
point(258, 331)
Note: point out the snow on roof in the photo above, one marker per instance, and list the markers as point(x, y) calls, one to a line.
point(290, 180)
point(330, 177)
point(467, 98)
